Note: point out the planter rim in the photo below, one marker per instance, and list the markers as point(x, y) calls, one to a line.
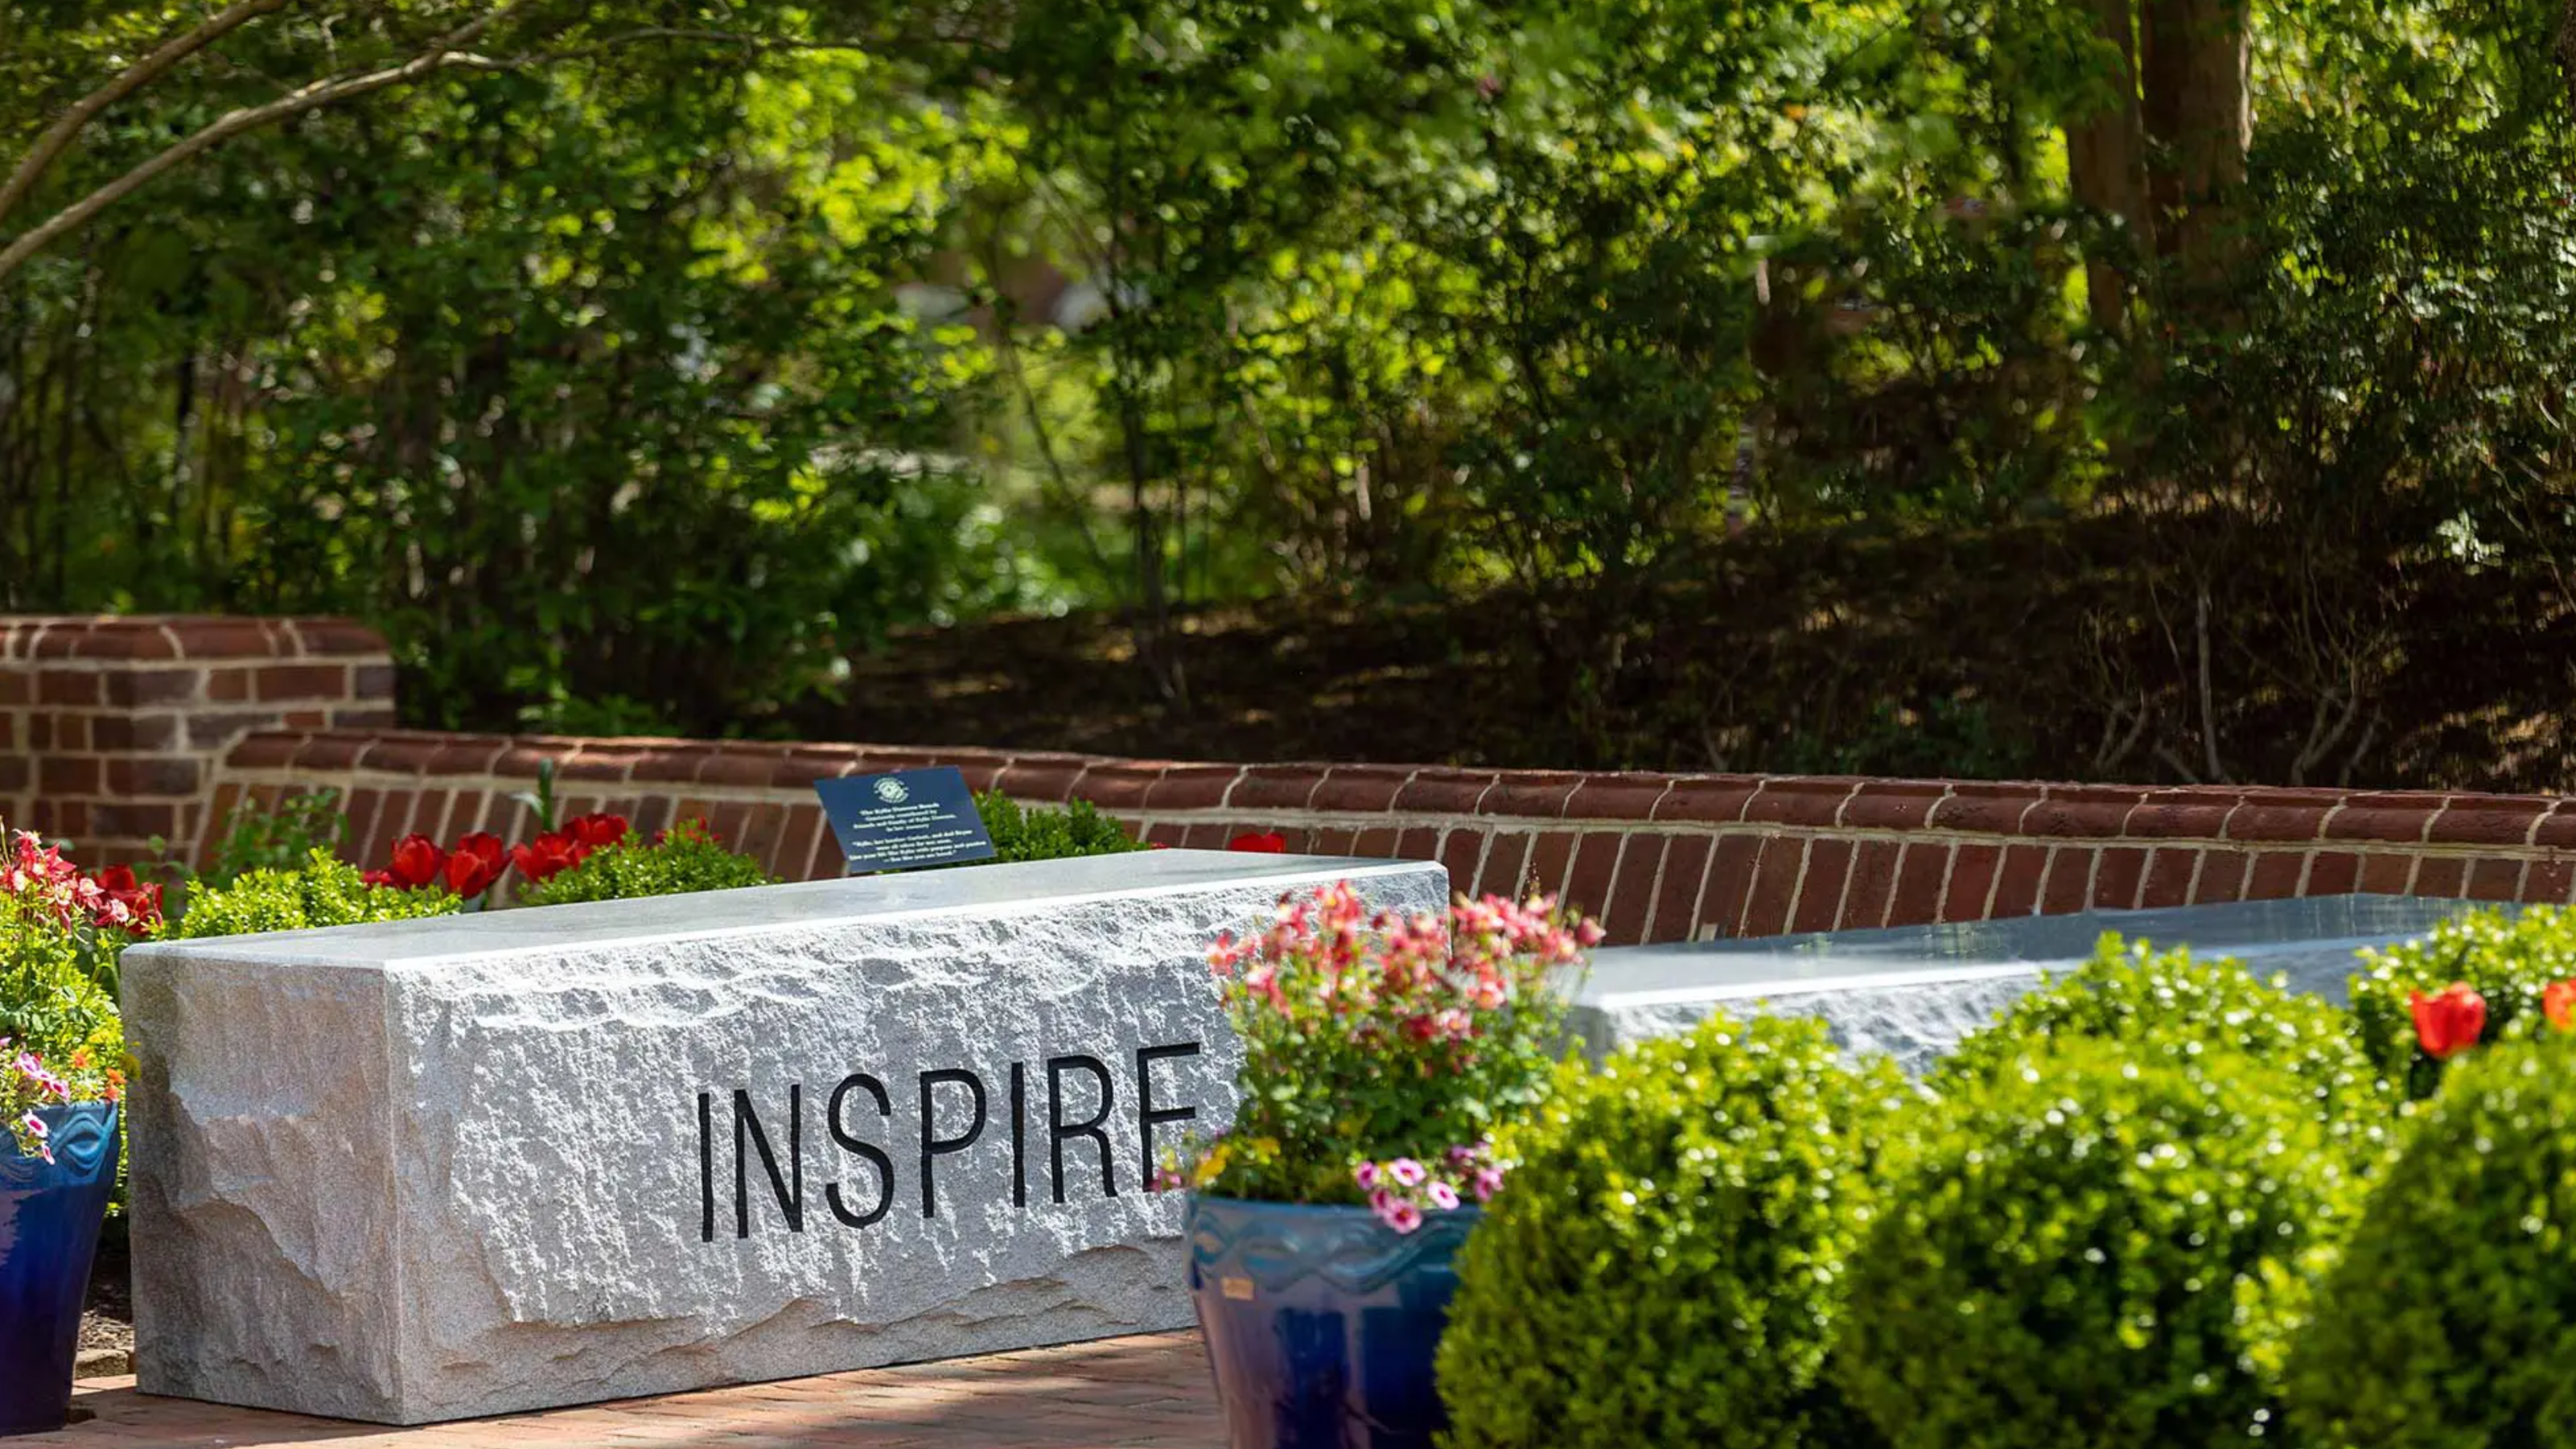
point(108, 1115)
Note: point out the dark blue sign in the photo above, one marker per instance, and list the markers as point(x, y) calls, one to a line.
point(907, 819)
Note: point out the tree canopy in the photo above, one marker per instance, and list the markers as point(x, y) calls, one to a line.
point(634, 364)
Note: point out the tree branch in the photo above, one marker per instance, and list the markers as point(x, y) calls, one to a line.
point(58, 136)
point(443, 54)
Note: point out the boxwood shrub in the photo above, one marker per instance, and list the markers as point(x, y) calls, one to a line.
point(325, 891)
point(2097, 1246)
point(688, 857)
point(2451, 1321)
point(2509, 959)
point(1040, 832)
point(2171, 1004)
point(1666, 1263)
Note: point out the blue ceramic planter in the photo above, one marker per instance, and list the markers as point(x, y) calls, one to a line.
point(1321, 1321)
point(50, 1214)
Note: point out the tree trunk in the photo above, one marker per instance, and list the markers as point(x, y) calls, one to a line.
point(2197, 108)
point(2106, 162)
point(2566, 49)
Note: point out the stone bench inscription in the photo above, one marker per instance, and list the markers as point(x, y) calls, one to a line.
point(435, 1169)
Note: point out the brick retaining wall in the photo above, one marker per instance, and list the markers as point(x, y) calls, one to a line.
point(116, 730)
point(1659, 857)
point(111, 728)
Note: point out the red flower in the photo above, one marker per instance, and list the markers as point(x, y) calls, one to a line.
point(591, 832)
point(551, 855)
point(379, 878)
point(2558, 1003)
point(477, 863)
point(126, 902)
point(417, 862)
point(2448, 1022)
point(1272, 843)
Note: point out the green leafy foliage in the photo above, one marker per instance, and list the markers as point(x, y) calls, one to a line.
point(2098, 1246)
point(255, 837)
point(1667, 1263)
point(635, 377)
point(2169, 1006)
point(323, 891)
point(2449, 1320)
point(51, 1002)
point(686, 858)
point(1024, 832)
point(2509, 957)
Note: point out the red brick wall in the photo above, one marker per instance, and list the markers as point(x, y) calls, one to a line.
point(111, 728)
point(1660, 857)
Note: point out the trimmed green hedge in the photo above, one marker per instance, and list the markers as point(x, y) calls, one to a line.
point(684, 859)
point(2098, 1247)
point(325, 891)
point(2171, 1005)
point(2451, 1322)
point(1666, 1264)
point(1039, 832)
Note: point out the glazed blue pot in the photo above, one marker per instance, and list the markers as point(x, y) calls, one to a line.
point(1321, 1321)
point(50, 1214)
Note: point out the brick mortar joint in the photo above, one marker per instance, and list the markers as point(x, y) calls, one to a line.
point(1444, 821)
point(199, 661)
point(2235, 799)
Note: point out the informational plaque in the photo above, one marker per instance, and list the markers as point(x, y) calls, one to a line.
point(905, 820)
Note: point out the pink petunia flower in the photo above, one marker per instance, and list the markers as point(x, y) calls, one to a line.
point(1443, 1196)
point(1406, 1172)
point(1402, 1216)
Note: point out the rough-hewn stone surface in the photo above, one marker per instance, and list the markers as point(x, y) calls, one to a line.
point(1914, 992)
point(435, 1169)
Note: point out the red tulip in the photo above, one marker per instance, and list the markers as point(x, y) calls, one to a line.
point(591, 832)
point(417, 862)
point(477, 863)
point(379, 878)
point(2448, 1022)
point(2558, 1003)
point(550, 855)
point(1272, 843)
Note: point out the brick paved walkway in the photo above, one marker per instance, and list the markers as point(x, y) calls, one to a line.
point(1122, 1393)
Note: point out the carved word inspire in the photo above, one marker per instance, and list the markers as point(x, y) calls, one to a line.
point(956, 1108)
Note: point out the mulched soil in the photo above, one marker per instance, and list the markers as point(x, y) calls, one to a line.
point(2022, 651)
point(107, 1325)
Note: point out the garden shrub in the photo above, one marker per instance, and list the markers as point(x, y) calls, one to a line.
point(2097, 1246)
point(2451, 1321)
point(687, 858)
point(325, 891)
point(1666, 1264)
point(2509, 959)
point(2171, 1004)
point(1041, 833)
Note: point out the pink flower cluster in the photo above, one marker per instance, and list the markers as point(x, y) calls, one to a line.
point(1426, 978)
point(28, 1089)
point(39, 877)
point(1400, 1191)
